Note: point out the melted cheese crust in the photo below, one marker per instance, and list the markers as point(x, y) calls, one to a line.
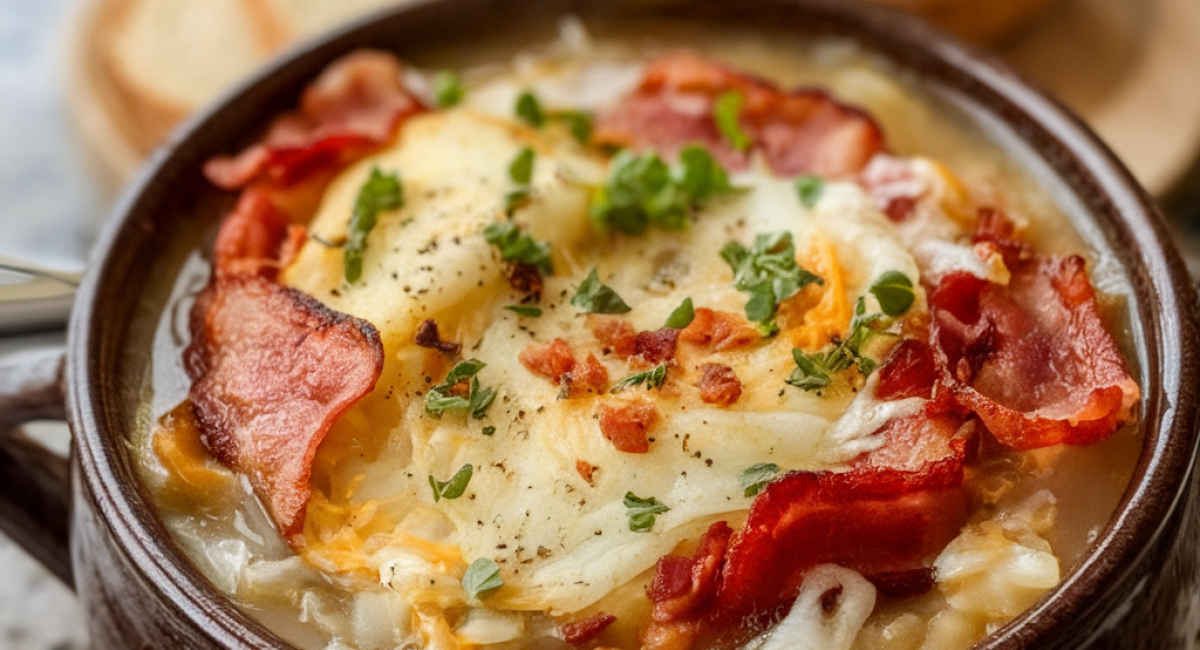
point(564, 543)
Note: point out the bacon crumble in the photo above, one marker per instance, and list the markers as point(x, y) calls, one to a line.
point(626, 425)
point(719, 385)
point(429, 337)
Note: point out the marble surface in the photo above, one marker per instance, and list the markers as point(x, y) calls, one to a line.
point(51, 210)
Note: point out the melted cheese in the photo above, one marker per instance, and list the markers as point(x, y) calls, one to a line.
point(562, 542)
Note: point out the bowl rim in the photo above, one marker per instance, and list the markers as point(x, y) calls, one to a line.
point(1112, 197)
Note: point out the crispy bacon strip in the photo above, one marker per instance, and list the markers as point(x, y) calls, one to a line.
point(799, 132)
point(272, 368)
point(587, 630)
point(1031, 359)
point(354, 106)
point(875, 520)
point(682, 589)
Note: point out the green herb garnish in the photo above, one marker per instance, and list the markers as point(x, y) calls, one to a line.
point(683, 315)
point(524, 310)
point(642, 512)
point(454, 487)
point(520, 170)
point(529, 109)
point(894, 291)
point(380, 192)
point(482, 578)
point(652, 378)
point(769, 273)
point(810, 188)
point(448, 88)
point(517, 246)
point(726, 112)
point(595, 297)
point(489, 430)
point(815, 371)
point(756, 477)
point(442, 398)
point(578, 122)
point(642, 191)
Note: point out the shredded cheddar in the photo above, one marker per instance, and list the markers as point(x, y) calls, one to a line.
point(811, 318)
point(192, 473)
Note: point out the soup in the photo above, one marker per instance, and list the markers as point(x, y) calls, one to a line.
point(626, 344)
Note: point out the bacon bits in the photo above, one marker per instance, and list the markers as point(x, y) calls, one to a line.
point(552, 361)
point(719, 385)
point(272, 369)
point(588, 377)
point(1031, 358)
point(428, 337)
point(613, 333)
point(354, 106)
point(798, 132)
point(719, 330)
point(626, 424)
point(657, 346)
point(586, 631)
point(586, 470)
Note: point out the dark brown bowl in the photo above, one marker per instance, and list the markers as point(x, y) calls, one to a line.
point(1132, 590)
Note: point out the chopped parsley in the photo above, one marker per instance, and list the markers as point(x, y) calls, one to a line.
point(520, 170)
point(380, 192)
point(756, 477)
point(447, 88)
point(524, 310)
point(595, 297)
point(642, 191)
point(815, 371)
point(769, 273)
point(529, 109)
point(652, 378)
point(726, 113)
point(454, 487)
point(482, 578)
point(810, 188)
point(894, 291)
point(683, 315)
point(642, 512)
point(447, 396)
point(517, 246)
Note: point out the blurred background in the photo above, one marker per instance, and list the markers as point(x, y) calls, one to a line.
point(88, 88)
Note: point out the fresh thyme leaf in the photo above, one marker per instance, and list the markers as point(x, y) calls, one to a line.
point(726, 113)
point(810, 188)
point(380, 192)
point(652, 378)
point(482, 578)
point(524, 310)
point(448, 88)
point(682, 316)
point(894, 291)
point(520, 170)
point(769, 273)
point(442, 397)
point(454, 486)
point(595, 297)
point(756, 477)
point(517, 246)
point(642, 191)
point(529, 109)
point(811, 373)
point(642, 512)
point(489, 430)
point(515, 200)
point(815, 371)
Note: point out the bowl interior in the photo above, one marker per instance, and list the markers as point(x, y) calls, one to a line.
point(171, 211)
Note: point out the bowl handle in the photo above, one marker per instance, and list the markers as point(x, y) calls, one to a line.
point(34, 481)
